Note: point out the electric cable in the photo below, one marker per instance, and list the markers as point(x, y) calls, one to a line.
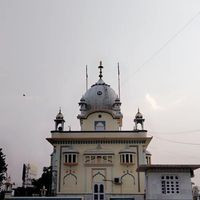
point(177, 142)
point(165, 44)
point(176, 133)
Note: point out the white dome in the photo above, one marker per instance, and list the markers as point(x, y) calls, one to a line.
point(138, 115)
point(59, 115)
point(100, 96)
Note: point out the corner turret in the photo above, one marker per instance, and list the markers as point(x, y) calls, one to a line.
point(59, 121)
point(139, 120)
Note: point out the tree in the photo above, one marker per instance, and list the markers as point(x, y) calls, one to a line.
point(44, 180)
point(195, 192)
point(3, 167)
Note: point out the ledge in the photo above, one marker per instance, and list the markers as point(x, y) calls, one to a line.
point(107, 131)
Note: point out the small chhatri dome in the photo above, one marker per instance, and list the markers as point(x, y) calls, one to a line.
point(138, 115)
point(139, 120)
point(59, 115)
point(59, 121)
point(100, 97)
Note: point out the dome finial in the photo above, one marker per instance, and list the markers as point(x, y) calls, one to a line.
point(100, 67)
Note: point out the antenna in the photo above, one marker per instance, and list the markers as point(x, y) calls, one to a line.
point(86, 71)
point(118, 80)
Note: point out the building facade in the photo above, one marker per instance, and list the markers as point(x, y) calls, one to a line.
point(103, 162)
point(100, 160)
point(169, 182)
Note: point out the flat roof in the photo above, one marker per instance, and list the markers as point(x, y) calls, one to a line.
point(143, 168)
point(109, 131)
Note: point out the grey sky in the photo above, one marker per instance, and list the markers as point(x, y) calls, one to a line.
point(45, 45)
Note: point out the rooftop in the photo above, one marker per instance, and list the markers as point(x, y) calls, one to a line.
point(168, 167)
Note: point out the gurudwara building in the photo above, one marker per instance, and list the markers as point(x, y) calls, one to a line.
point(102, 161)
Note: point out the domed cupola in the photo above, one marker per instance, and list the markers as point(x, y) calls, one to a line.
point(59, 116)
point(59, 121)
point(117, 104)
point(100, 98)
point(139, 120)
point(83, 105)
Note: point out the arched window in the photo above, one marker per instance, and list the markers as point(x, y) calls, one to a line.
point(95, 188)
point(101, 188)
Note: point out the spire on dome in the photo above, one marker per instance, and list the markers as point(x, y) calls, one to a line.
point(100, 72)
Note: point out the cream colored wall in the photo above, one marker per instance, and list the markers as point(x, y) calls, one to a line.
point(88, 124)
point(85, 174)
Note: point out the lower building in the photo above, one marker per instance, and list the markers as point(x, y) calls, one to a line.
point(170, 182)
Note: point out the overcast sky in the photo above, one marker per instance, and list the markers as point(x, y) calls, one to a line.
point(45, 45)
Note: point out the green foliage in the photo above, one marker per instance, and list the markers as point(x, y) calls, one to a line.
point(3, 167)
point(44, 180)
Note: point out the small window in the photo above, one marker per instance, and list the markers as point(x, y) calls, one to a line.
point(169, 184)
point(148, 160)
point(127, 158)
point(98, 159)
point(92, 159)
point(87, 159)
point(100, 125)
point(74, 158)
point(66, 158)
point(131, 158)
point(109, 159)
point(105, 157)
point(70, 159)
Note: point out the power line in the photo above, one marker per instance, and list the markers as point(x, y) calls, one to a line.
point(175, 153)
point(178, 132)
point(177, 142)
point(166, 43)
